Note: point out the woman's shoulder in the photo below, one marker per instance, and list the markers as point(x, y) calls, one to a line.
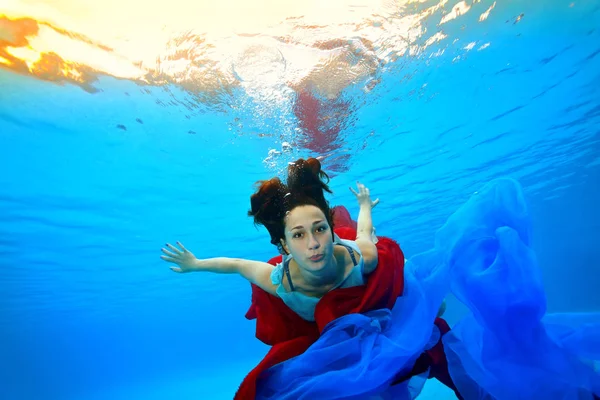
point(344, 244)
point(277, 274)
point(349, 256)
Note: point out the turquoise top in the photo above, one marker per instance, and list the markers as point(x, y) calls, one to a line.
point(304, 305)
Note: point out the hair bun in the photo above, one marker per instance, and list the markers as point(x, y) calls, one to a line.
point(272, 199)
point(269, 196)
point(306, 175)
point(314, 165)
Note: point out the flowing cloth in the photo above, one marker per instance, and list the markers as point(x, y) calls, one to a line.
point(383, 341)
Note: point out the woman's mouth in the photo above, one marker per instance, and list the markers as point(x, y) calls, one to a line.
point(317, 258)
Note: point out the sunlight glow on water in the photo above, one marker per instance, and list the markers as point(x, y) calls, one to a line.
point(213, 47)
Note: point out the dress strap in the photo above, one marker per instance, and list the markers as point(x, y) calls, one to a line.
point(351, 251)
point(286, 269)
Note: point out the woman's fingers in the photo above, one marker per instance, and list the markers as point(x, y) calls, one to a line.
point(174, 256)
point(182, 247)
point(168, 253)
point(363, 191)
point(361, 188)
point(169, 259)
point(175, 249)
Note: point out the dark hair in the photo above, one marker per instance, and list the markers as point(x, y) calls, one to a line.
point(274, 199)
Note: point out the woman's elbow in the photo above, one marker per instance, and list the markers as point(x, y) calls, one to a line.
point(370, 263)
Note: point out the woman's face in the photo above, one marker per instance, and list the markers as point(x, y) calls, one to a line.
point(308, 237)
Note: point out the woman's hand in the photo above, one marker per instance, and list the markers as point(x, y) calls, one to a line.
point(183, 258)
point(363, 196)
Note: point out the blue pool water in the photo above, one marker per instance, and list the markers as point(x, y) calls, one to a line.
point(94, 183)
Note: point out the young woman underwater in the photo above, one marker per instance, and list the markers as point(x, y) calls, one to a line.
point(300, 222)
point(347, 319)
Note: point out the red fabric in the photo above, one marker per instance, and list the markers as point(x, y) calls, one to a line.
point(342, 219)
point(434, 358)
point(290, 335)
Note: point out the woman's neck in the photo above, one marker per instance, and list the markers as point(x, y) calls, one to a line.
point(328, 275)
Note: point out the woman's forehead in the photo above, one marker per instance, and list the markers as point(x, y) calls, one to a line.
point(304, 215)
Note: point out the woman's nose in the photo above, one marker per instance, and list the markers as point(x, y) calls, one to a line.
point(313, 243)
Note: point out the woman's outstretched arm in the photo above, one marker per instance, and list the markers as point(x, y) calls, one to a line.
point(364, 228)
point(256, 272)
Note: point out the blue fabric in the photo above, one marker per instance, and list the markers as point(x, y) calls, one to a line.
point(505, 348)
